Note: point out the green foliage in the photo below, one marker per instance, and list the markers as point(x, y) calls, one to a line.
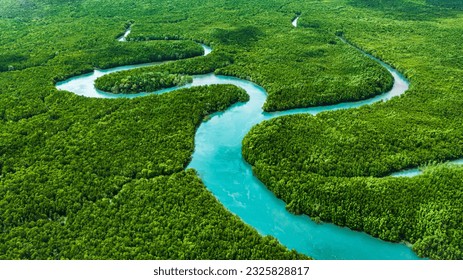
point(8, 61)
point(245, 35)
point(146, 82)
point(167, 217)
point(66, 161)
point(405, 9)
point(446, 3)
point(88, 142)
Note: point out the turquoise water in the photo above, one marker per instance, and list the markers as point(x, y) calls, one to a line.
point(417, 171)
point(123, 38)
point(294, 22)
point(218, 161)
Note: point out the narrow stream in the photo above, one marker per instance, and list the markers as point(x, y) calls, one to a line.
point(294, 22)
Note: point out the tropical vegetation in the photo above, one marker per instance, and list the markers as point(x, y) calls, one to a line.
point(84, 178)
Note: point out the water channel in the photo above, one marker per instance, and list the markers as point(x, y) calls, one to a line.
point(219, 162)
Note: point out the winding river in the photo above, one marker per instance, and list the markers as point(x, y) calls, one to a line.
point(219, 162)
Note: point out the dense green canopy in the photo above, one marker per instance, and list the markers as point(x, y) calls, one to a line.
point(94, 178)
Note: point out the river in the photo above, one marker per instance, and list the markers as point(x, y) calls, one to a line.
point(219, 162)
